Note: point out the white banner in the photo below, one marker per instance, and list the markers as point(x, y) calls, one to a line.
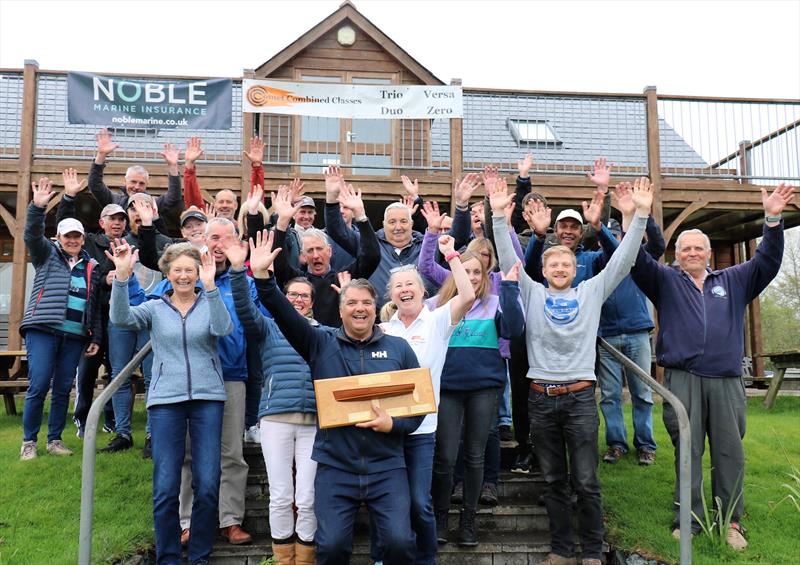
point(384, 102)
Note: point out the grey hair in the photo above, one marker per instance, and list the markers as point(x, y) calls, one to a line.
point(221, 222)
point(410, 268)
point(396, 206)
point(137, 169)
point(172, 252)
point(361, 284)
point(236, 198)
point(318, 233)
point(690, 232)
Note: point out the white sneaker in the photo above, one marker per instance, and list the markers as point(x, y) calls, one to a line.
point(252, 434)
point(735, 539)
point(28, 451)
point(57, 447)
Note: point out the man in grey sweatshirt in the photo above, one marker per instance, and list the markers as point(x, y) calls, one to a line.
point(561, 332)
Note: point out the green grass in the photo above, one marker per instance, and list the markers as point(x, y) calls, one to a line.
point(40, 499)
point(638, 500)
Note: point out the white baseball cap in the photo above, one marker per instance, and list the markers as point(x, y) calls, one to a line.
point(570, 213)
point(69, 225)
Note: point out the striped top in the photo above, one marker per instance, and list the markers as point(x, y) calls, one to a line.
point(76, 302)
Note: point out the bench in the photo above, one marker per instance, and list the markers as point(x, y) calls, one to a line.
point(780, 361)
point(10, 385)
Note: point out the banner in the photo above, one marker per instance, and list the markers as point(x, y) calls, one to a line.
point(384, 102)
point(157, 104)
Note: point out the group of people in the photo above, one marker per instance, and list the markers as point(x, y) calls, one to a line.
point(503, 308)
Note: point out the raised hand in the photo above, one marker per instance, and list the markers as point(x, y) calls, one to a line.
point(145, 211)
point(409, 201)
point(123, 257)
point(334, 181)
point(282, 204)
point(412, 188)
point(261, 254)
point(490, 176)
point(513, 272)
point(194, 150)
point(430, 211)
point(235, 250)
point(210, 210)
point(499, 198)
point(155, 208)
point(466, 188)
point(170, 155)
point(42, 192)
point(72, 186)
point(642, 196)
point(208, 270)
point(623, 198)
point(296, 189)
point(343, 277)
point(538, 216)
point(524, 166)
point(255, 198)
point(509, 211)
point(601, 175)
point(351, 199)
point(775, 203)
point(104, 143)
point(593, 211)
point(446, 244)
point(256, 153)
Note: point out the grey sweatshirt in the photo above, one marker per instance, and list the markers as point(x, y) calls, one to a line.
point(561, 326)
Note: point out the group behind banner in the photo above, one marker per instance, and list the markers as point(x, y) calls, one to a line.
point(380, 102)
point(157, 104)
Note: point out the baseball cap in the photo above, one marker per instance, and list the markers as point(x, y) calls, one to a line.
point(69, 225)
point(112, 209)
point(144, 197)
point(570, 213)
point(614, 227)
point(193, 212)
point(306, 201)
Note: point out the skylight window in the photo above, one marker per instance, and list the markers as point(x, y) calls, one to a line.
point(532, 131)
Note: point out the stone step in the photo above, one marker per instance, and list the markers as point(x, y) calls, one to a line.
point(495, 548)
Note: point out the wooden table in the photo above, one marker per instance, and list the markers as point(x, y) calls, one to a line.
point(11, 385)
point(780, 361)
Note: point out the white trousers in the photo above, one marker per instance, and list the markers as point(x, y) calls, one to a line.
point(283, 444)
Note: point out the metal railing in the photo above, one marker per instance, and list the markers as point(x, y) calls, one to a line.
point(10, 113)
point(90, 453)
point(684, 448)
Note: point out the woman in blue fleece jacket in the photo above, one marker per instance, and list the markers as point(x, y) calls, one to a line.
point(187, 390)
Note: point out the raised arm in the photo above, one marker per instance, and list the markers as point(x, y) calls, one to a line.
point(465, 297)
point(256, 157)
point(282, 203)
point(191, 193)
point(38, 245)
point(538, 216)
point(96, 185)
point(219, 317)
point(512, 319)
point(522, 189)
point(464, 190)
point(426, 263)
point(72, 187)
point(122, 314)
point(250, 317)
point(172, 199)
point(499, 200)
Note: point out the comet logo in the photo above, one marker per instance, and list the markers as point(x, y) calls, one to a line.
point(266, 96)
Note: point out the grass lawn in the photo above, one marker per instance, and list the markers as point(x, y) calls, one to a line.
point(40, 499)
point(638, 500)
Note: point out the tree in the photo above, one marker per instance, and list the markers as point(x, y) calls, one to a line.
point(780, 302)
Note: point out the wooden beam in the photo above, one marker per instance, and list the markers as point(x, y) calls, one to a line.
point(248, 131)
point(456, 152)
point(688, 211)
point(9, 219)
point(654, 151)
point(26, 139)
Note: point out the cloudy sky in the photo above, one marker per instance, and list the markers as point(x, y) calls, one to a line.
point(747, 49)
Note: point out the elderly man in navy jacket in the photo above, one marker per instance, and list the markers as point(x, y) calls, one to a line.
point(355, 464)
point(701, 314)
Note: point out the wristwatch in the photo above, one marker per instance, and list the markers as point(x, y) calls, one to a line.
point(771, 219)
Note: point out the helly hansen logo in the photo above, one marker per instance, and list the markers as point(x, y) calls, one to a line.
point(380, 355)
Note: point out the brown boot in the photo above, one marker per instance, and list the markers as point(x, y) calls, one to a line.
point(283, 553)
point(235, 535)
point(305, 553)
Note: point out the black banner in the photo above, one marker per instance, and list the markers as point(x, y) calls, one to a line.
point(158, 104)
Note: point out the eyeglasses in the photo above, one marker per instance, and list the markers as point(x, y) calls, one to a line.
point(403, 269)
point(296, 295)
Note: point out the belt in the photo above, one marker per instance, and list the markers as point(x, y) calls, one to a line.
point(558, 390)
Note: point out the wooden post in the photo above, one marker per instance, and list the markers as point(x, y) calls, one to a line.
point(247, 133)
point(654, 151)
point(756, 338)
point(26, 142)
point(456, 152)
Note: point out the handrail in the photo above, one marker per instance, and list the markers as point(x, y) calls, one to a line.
point(684, 444)
point(89, 454)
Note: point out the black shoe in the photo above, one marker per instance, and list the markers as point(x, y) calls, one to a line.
point(147, 450)
point(118, 443)
point(488, 494)
point(466, 529)
point(505, 433)
point(523, 464)
point(457, 497)
point(441, 526)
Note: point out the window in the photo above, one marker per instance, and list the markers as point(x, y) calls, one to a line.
point(532, 131)
point(318, 162)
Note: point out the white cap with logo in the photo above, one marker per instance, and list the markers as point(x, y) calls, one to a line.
point(570, 213)
point(69, 225)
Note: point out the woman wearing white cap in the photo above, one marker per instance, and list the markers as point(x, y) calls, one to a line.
point(63, 314)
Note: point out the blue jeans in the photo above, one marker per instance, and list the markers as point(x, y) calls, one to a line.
point(504, 408)
point(563, 425)
point(337, 497)
point(203, 418)
point(51, 358)
point(636, 346)
point(419, 466)
point(123, 345)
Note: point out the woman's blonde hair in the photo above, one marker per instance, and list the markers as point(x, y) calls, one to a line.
point(481, 243)
point(449, 289)
point(387, 311)
point(172, 252)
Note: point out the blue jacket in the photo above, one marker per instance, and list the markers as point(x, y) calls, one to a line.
point(331, 353)
point(626, 311)
point(701, 331)
point(589, 263)
point(185, 361)
point(287, 378)
point(232, 347)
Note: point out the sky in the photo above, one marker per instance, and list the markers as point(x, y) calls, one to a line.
point(703, 48)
